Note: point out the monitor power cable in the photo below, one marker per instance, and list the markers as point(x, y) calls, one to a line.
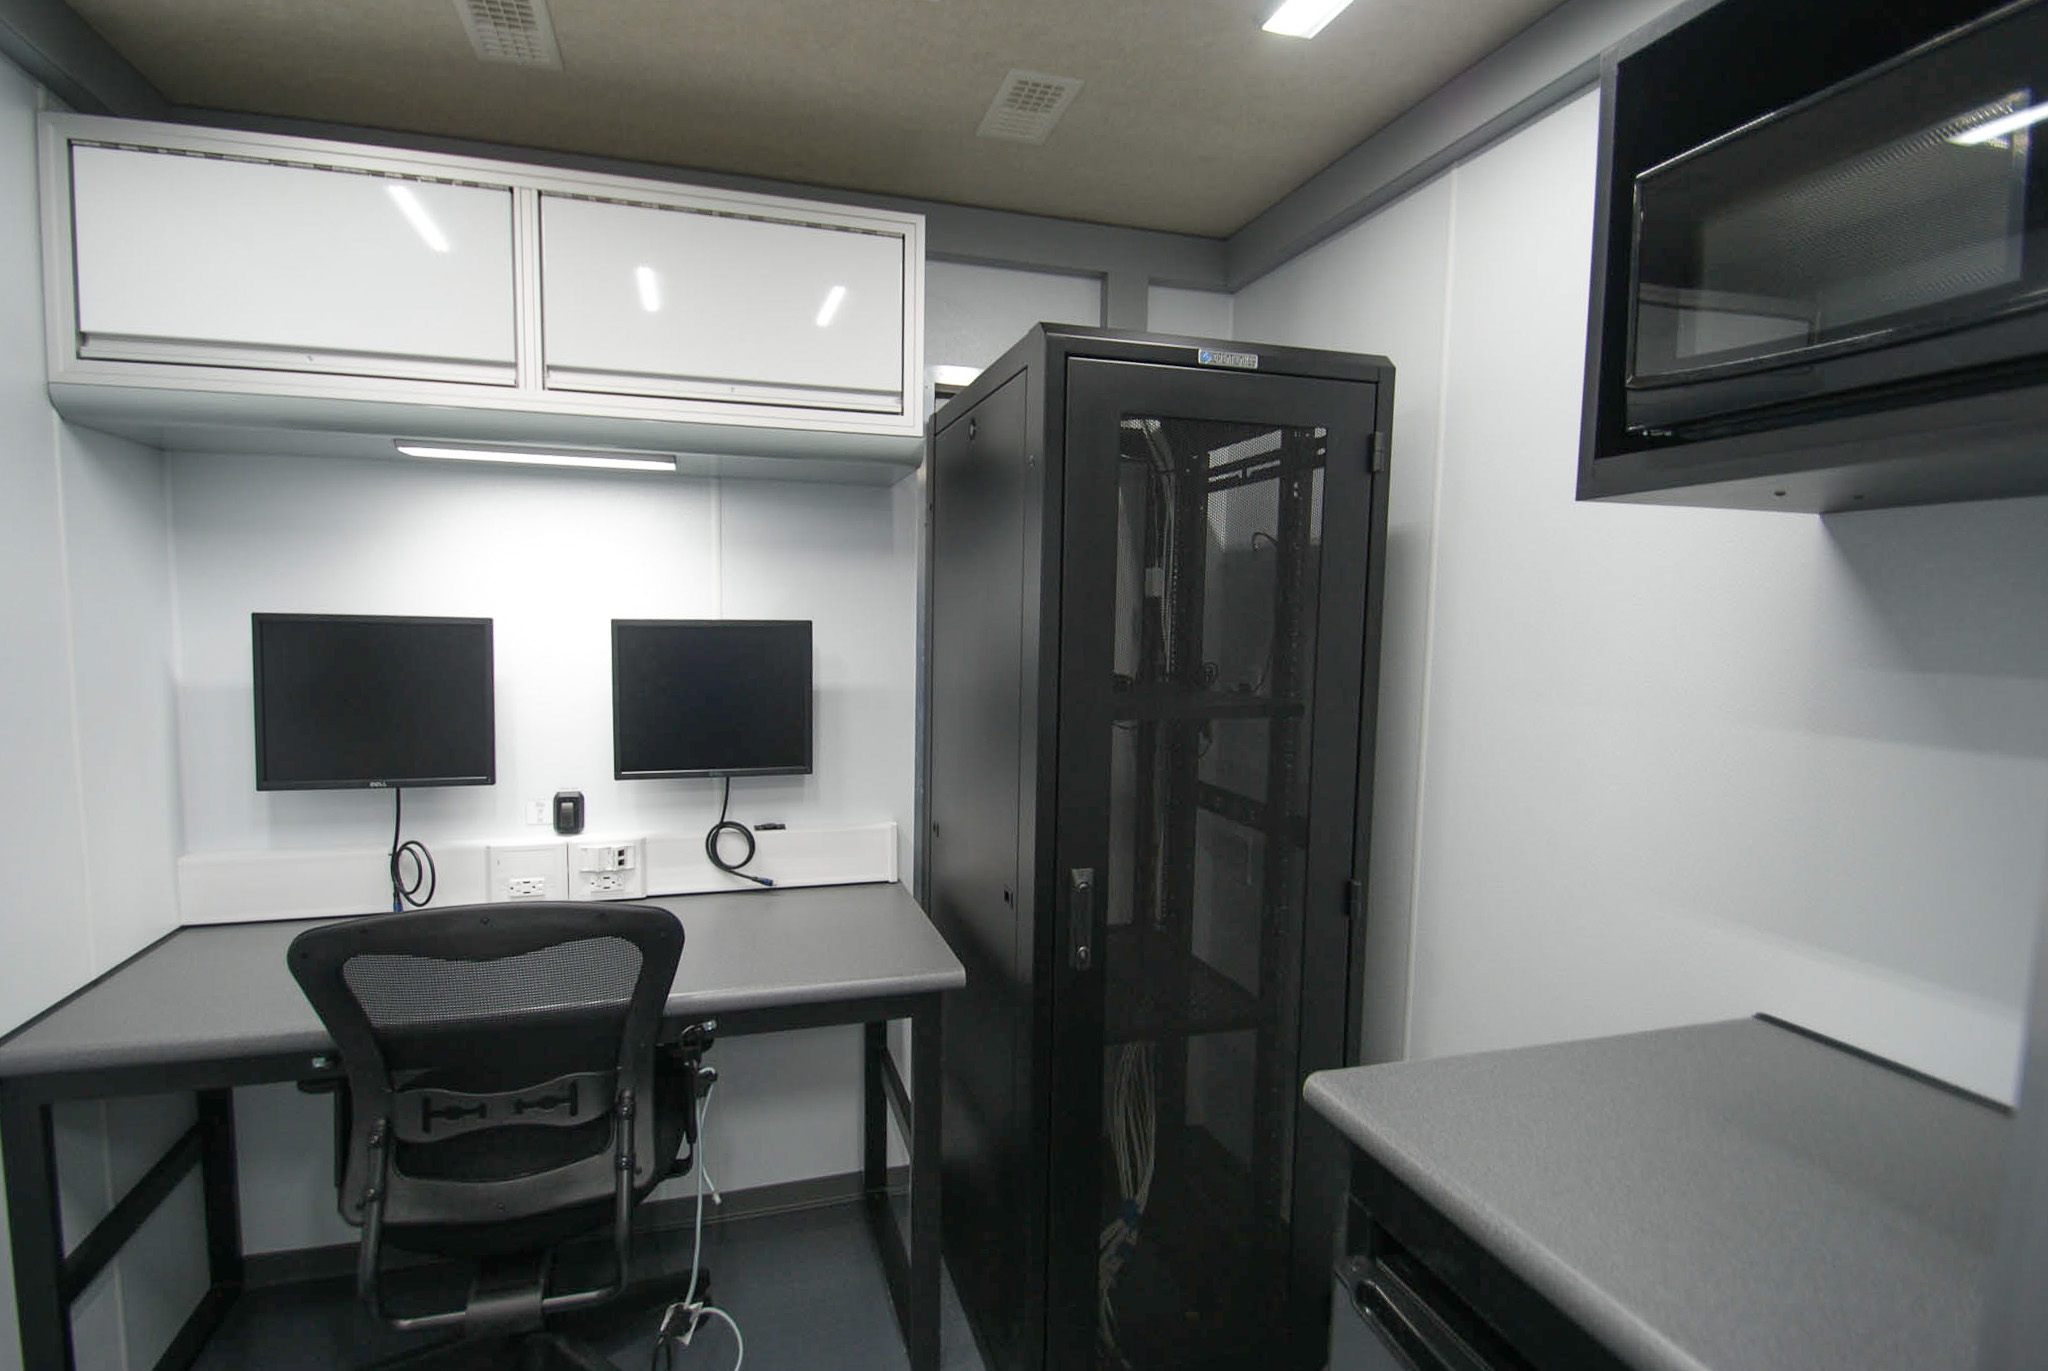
point(724, 826)
point(407, 892)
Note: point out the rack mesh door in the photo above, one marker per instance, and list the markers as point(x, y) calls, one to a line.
point(1219, 550)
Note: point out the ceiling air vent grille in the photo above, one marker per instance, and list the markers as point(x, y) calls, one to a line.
point(1027, 105)
point(515, 31)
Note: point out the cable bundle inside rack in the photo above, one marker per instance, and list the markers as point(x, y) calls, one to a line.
point(1133, 1141)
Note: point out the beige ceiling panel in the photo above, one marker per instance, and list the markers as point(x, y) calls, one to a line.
point(1191, 119)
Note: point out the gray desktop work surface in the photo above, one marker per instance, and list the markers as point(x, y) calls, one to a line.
point(1730, 1197)
point(216, 990)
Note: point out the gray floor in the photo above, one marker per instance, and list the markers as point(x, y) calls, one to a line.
point(806, 1289)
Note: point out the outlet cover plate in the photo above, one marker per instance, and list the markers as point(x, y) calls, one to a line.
point(515, 868)
point(607, 868)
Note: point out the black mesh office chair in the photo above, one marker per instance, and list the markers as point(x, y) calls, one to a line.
point(505, 1094)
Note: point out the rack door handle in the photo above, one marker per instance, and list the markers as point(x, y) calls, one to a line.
point(1081, 918)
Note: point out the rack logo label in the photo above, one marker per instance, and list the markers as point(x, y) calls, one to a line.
point(1210, 357)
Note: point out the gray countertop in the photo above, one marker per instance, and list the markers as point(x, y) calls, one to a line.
point(222, 990)
point(1731, 1197)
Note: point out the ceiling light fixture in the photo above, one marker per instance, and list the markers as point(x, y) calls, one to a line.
point(416, 214)
point(1304, 18)
point(1998, 128)
point(649, 285)
point(604, 461)
point(829, 311)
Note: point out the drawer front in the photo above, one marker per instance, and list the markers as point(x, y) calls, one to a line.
point(187, 258)
point(654, 300)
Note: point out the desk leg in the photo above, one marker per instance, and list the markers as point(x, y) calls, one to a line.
point(223, 1188)
point(38, 1234)
point(910, 1260)
point(874, 1115)
point(922, 1335)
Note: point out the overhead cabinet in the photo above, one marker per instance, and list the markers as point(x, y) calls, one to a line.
point(208, 288)
point(195, 259)
point(642, 299)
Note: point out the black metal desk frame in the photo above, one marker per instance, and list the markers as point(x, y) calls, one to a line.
point(47, 1279)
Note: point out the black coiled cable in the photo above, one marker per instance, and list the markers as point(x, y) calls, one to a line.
point(405, 892)
point(725, 825)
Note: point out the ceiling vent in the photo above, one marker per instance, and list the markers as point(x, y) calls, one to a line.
point(515, 31)
point(1027, 105)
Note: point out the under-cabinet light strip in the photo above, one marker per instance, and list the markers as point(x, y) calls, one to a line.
point(520, 457)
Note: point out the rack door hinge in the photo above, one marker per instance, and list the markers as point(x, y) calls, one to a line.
point(1354, 899)
point(1382, 449)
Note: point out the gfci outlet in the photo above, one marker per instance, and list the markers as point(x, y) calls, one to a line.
point(528, 871)
point(611, 870)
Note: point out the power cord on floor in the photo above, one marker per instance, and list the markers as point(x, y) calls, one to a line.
point(681, 1320)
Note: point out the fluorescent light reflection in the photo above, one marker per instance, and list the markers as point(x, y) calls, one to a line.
point(649, 286)
point(523, 457)
point(416, 214)
point(829, 311)
point(1304, 18)
point(1999, 127)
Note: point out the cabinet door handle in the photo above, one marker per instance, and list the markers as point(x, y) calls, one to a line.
point(1081, 918)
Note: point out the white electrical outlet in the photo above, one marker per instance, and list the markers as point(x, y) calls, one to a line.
point(612, 870)
point(536, 811)
point(528, 871)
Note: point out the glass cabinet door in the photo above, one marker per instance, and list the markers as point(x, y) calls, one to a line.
point(1219, 766)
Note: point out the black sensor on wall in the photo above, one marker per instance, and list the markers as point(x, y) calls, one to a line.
point(350, 701)
point(711, 697)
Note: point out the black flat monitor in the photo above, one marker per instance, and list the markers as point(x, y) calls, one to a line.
point(348, 701)
point(711, 697)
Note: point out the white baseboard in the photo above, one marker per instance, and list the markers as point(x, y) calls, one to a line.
point(247, 887)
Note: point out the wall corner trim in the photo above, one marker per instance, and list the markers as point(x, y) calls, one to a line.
point(1535, 71)
point(48, 40)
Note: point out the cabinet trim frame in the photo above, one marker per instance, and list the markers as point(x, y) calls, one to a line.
point(527, 394)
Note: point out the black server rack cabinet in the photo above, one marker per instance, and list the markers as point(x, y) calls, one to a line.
point(1152, 626)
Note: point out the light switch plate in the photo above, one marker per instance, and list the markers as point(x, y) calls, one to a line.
point(528, 871)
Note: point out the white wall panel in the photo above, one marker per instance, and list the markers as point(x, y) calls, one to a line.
point(118, 570)
point(1648, 766)
point(88, 828)
point(973, 314)
point(551, 557)
point(41, 825)
point(1192, 313)
point(1686, 764)
point(1379, 288)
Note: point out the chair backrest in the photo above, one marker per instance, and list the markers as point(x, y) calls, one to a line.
point(488, 1049)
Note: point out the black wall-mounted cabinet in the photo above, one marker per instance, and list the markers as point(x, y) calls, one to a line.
point(1151, 648)
point(1705, 70)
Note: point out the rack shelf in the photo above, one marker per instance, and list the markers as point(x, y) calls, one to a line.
point(1140, 967)
point(1179, 702)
